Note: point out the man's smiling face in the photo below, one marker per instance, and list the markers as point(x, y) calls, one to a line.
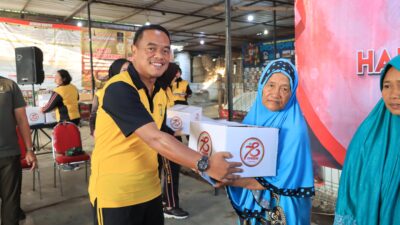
point(151, 54)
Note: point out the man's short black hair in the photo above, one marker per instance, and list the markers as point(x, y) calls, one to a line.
point(139, 33)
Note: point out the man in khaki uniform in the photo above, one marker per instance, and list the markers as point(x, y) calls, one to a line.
point(12, 114)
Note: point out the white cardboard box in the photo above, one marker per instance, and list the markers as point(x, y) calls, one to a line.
point(255, 147)
point(180, 116)
point(43, 99)
point(50, 117)
point(35, 116)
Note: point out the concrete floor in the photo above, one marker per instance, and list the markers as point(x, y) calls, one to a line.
point(74, 208)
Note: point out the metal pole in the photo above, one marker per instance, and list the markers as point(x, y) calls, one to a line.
point(33, 95)
point(228, 57)
point(90, 47)
point(275, 48)
point(191, 69)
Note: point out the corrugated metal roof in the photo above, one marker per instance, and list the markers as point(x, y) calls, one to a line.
point(186, 19)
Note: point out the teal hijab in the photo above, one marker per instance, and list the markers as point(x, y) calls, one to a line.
point(369, 190)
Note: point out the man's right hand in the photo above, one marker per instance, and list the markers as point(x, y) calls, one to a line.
point(222, 170)
point(178, 133)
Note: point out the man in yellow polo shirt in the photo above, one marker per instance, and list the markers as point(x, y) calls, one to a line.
point(124, 185)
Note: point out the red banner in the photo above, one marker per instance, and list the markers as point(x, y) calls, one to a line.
point(341, 47)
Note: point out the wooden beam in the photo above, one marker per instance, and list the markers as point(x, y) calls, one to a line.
point(233, 19)
point(193, 12)
point(137, 11)
point(82, 6)
point(168, 11)
point(276, 1)
point(256, 8)
point(26, 5)
point(244, 27)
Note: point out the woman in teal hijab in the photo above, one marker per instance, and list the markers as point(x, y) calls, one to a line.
point(284, 198)
point(369, 190)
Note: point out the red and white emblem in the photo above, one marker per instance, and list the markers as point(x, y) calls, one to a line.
point(204, 144)
point(252, 152)
point(34, 116)
point(176, 123)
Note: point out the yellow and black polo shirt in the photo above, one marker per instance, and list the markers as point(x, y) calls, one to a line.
point(181, 90)
point(65, 102)
point(124, 168)
point(170, 97)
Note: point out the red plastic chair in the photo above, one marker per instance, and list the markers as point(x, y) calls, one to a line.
point(65, 136)
point(26, 167)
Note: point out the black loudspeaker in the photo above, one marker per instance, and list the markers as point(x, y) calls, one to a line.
point(29, 61)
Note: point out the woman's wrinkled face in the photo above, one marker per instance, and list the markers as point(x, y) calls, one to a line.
point(391, 90)
point(58, 79)
point(276, 92)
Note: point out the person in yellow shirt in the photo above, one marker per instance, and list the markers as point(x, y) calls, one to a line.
point(124, 186)
point(118, 66)
point(180, 89)
point(170, 184)
point(181, 92)
point(64, 99)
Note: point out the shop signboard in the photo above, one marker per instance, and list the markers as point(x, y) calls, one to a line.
point(340, 53)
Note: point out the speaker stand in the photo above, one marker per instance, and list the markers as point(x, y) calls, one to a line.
point(36, 129)
point(33, 95)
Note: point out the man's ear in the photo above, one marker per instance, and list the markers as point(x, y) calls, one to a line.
point(134, 49)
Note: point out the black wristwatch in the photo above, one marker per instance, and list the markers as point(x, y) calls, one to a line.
point(202, 164)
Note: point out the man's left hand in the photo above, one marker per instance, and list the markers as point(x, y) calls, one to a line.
point(31, 159)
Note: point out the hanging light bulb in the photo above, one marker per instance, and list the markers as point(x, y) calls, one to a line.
point(79, 23)
point(147, 19)
point(266, 32)
point(250, 18)
point(202, 42)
